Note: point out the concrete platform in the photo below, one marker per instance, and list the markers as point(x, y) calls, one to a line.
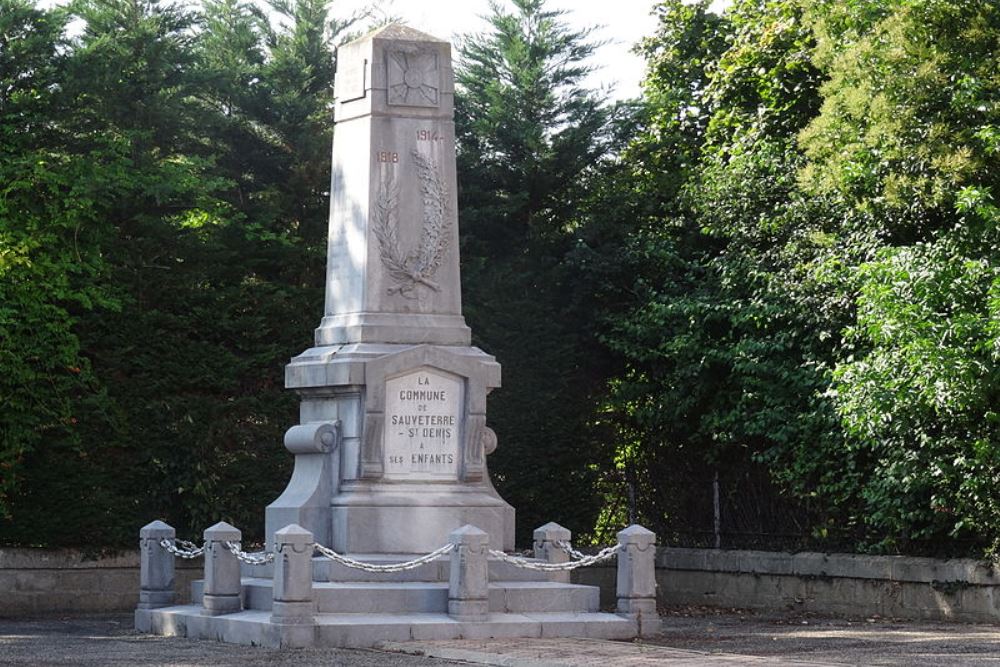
point(253, 627)
point(364, 610)
point(368, 597)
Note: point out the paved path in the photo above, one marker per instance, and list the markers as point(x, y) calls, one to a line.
point(110, 640)
point(702, 637)
point(869, 641)
point(578, 653)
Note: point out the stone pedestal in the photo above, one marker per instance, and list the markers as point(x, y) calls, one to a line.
point(292, 606)
point(392, 362)
point(546, 549)
point(636, 581)
point(468, 579)
point(222, 571)
point(156, 566)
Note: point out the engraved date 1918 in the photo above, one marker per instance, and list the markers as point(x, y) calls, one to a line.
point(386, 156)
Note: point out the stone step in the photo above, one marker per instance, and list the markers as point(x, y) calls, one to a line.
point(252, 627)
point(425, 597)
point(326, 570)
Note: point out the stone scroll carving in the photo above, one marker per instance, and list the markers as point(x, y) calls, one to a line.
point(409, 270)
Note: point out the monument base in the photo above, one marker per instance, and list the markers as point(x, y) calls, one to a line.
point(362, 493)
point(408, 518)
point(356, 609)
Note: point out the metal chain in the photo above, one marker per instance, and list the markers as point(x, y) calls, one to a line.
point(258, 558)
point(190, 550)
point(542, 566)
point(568, 548)
point(391, 567)
point(186, 550)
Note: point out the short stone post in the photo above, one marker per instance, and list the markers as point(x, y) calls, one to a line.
point(468, 581)
point(222, 571)
point(637, 578)
point(546, 549)
point(156, 566)
point(293, 605)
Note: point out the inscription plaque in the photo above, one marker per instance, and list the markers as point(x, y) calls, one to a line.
point(351, 82)
point(423, 423)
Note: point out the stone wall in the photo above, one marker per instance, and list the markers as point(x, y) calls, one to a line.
point(38, 582)
point(856, 585)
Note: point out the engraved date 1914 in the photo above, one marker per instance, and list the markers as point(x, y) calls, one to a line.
point(428, 135)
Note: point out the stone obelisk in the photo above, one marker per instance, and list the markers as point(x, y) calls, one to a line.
point(390, 454)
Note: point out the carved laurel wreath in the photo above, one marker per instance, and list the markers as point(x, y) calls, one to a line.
point(417, 267)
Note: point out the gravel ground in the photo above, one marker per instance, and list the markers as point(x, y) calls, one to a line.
point(851, 641)
point(94, 641)
point(728, 636)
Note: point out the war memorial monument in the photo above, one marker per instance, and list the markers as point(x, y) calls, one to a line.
point(390, 528)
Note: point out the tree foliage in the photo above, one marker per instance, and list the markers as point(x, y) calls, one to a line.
point(817, 299)
point(910, 139)
point(173, 212)
point(776, 274)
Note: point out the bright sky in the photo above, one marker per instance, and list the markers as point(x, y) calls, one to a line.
point(620, 23)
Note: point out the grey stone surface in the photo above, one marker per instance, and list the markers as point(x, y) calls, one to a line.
point(819, 583)
point(800, 635)
point(524, 597)
point(293, 564)
point(423, 412)
point(156, 566)
point(468, 585)
point(222, 571)
point(812, 564)
point(415, 518)
point(43, 582)
point(327, 570)
point(369, 597)
point(392, 269)
point(382, 597)
point(306, 500)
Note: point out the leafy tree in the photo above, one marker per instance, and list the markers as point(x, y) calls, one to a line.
point(908, 137)
point(819, 294)
point(721, 373)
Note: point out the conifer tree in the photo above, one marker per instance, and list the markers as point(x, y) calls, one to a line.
point(528, 135)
